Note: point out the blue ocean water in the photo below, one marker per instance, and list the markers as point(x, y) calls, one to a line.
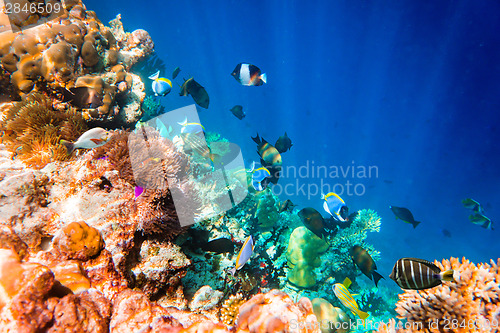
point(408, 88)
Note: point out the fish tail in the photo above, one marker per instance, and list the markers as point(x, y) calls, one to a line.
point(154, 76)
point(376, 277)
point(70, 146)
point(447, 276)
point(363, 315)
point(263, 77)
point(257, 139)
point(415, 223)
point(184, 122)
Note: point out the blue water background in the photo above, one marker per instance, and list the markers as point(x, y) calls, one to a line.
point(411, 87)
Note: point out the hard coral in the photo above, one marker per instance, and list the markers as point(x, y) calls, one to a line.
point(472, 303)
point(78, 240)
point(24, 285)
point(36, 129)
point(275, 311)
point(230, 309)
point(303, 255)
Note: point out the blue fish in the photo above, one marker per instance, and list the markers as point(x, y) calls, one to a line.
point(161, 86)
point(259, 174)
point(334, 205)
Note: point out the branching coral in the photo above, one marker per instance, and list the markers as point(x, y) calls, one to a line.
point(34, 130)
point(471, 303)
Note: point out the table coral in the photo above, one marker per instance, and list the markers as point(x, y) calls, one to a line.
point(303, 254)
point(471, 303)
point(275, 311)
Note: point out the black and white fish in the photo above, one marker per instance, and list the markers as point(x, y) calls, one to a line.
point(249, 75)
point(418, 274)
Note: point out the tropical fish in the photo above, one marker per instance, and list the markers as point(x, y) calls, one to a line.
point(176, 72)
point(237, 110)
point(473, 205)
point(418, 274)
point(83, 97)
point(283, 143)
point(188, 127)
point(249, 75)
point(312, 220)
point(244, 255)
point(345, 297)
point(196, 142)
point(405, 215)
point(93, 138)
point(219, 245)
point(196, 90)
point(446, 232)
point(365, 263)
point(286, 205)
point(270, 158)
point(481, 220)
point(335, 206)
point(259, 175)
point(161, 86)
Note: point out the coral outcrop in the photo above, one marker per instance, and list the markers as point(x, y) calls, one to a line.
point(303, 254)
point(60, 54)
point(275, 311)
point(470, 304)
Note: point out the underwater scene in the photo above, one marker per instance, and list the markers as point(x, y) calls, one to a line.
point(249, 166)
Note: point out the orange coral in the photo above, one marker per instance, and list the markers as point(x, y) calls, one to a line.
point(472, 303)
point(78, 240)
point(275, 311)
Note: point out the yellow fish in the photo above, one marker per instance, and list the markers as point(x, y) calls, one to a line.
point(345, 297)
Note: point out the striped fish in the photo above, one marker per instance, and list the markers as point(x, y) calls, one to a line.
point(418, 274)
point(345, 297)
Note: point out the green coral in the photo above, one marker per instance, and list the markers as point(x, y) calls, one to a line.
point(152, 108)
point(267, 213)
point(303, 255)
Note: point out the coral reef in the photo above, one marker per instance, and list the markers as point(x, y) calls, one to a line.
point(275, 311)
point(471, 303)
point(60, 53)
point(303, 254)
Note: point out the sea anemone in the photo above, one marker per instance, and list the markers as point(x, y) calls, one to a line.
point(32, 130)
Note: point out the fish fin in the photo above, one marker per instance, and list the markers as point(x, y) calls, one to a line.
point(263, 77)
point(447, 276)
point(257, 185)
point(376, 277)
point(96, 141)
point(257, 139)
point(347, 282)
point(154, 76)
point(70, 146)
point(415, 223)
